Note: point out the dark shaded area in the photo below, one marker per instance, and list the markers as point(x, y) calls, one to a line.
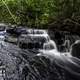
point(76, 50)
point(69, 25)
point(17, 31)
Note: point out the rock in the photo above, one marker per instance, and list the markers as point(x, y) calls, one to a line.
point(41, 68)
point(75, 51)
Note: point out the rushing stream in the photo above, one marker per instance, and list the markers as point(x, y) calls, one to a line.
point(41, 62)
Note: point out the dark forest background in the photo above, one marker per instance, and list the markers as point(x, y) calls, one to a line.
point(41, 13)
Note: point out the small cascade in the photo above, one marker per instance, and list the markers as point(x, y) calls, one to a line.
point(35, 40)
point(50, 45)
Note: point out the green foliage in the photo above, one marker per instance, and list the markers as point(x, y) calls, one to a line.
point(36, 13)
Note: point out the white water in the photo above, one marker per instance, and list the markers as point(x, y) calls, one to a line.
point(49, 47)
point(49, 50)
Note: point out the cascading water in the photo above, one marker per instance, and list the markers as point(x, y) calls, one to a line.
point(39, 39)
point(42, 39)
point(50, 45)
point(39, 67)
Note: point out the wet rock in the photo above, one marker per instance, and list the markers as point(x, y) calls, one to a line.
point(41, 68)
point(75, 50)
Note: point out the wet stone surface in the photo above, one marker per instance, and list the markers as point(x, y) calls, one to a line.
point(13, 58)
